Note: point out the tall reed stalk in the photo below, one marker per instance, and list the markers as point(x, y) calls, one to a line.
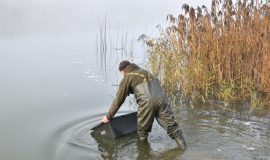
point(222, 53)
point(112, 47)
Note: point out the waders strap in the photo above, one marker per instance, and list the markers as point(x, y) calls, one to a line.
point(149, 78)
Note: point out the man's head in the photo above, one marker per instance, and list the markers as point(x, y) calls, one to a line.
point(122, 66)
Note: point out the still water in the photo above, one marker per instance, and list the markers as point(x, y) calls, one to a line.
point(52, 91)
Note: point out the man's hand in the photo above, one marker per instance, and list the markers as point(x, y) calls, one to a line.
point(105, 119)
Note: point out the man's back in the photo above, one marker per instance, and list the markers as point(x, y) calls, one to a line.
point(152, 102)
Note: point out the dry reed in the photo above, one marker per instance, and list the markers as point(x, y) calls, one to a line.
point(222, 53)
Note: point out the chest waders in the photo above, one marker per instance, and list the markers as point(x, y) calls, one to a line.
point(153, 103)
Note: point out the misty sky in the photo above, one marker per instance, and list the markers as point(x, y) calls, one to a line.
point(20, 17)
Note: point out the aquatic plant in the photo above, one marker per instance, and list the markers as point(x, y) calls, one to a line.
point(222, 53)
point(112, 47)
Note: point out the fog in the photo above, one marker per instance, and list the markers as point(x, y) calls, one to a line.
point(49, 75)
point(20, 17)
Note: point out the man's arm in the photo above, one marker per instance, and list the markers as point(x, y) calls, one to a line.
point(121, 95)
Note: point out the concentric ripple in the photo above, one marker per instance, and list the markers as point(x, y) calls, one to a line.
point(209, 132)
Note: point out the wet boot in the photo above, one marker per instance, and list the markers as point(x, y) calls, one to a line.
point(143, 138)
point(180, 141)
point(143, 135)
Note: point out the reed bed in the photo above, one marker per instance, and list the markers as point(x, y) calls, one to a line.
point(222, 53)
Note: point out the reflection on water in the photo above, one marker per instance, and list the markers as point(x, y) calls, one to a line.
point(211, 133)
point(47, 80)
point(130, 147)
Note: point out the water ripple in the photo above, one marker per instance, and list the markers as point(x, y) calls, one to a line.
point(210, 134)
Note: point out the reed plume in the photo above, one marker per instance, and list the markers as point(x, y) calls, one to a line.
point(222, 53)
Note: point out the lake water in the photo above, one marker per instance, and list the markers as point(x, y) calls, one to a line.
point(210, 131)
point(52, 91)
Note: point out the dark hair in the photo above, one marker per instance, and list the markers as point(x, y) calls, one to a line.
point(123, 65)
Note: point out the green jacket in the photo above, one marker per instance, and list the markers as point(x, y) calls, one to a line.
point(127, 84)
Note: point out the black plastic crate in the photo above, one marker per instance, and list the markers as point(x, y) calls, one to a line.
point(118, 126)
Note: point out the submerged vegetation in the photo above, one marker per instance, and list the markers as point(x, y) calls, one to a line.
point(222, 53)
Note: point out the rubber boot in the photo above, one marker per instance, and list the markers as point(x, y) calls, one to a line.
point(180, 141)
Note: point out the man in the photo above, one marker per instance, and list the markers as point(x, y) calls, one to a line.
point(151, 99)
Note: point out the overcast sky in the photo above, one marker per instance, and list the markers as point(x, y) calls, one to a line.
point(19, 17)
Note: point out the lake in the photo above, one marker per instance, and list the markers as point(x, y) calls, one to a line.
point(52, 90)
